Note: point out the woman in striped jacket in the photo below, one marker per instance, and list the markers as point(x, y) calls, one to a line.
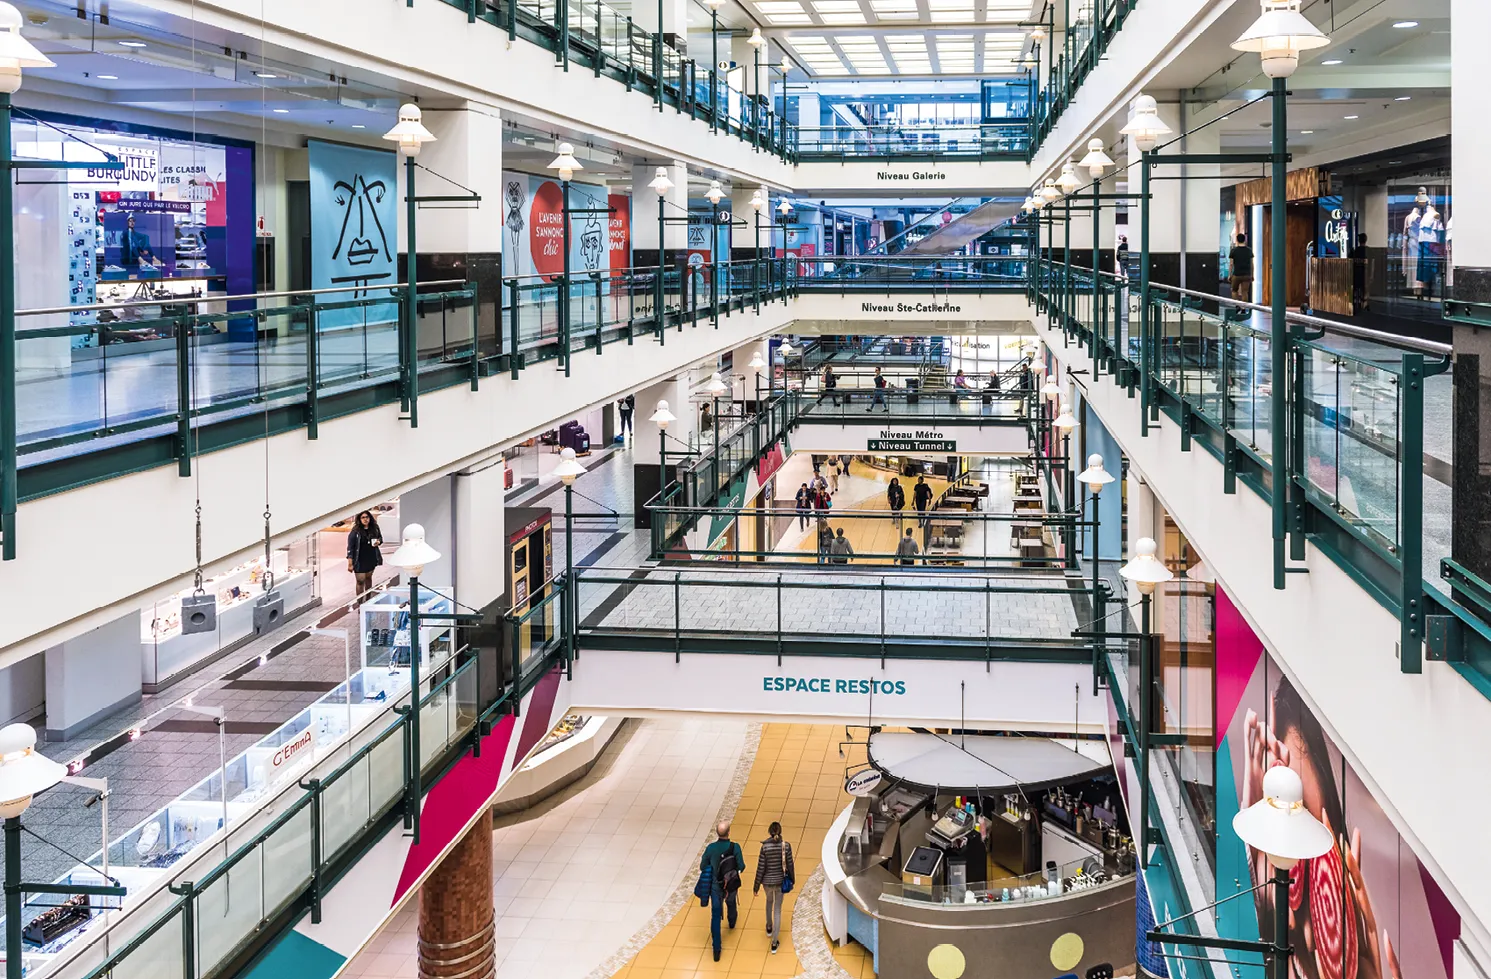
point(774, 866)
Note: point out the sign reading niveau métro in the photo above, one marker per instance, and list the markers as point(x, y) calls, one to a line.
point(917, 440)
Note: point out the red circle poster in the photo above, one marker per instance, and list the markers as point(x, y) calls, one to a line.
point(546, 229)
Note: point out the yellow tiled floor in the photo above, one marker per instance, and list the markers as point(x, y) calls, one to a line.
point(797, 780)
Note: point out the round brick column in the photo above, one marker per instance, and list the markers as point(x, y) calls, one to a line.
point(455, 912)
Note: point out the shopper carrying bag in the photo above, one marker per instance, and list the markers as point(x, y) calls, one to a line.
point(774, 871)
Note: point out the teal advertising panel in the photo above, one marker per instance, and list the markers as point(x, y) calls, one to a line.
point(354, 229)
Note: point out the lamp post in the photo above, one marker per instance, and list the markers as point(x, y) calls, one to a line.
point(16, 53)
point(758, 204)
point(220, 719)
point(662, 185)
point(714, 61)
point(410, 135)
point(756, 364)
point(662, 418)
point(566, 165)
point(715, 194)
point(757, 42)
point(1096, 162)
point(1281, 828)
point(1095, 477)
point(1145, 571)
point(785, 210)
point(412, 556)
point(1068, 183)
point(568, 470)
point(1145, 127)
point(715, 388)
point(23, 774)
point(1066, 423)
point(1279, 34)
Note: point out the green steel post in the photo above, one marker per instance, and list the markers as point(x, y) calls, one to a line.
point(1067, 294)
point(1145, 357)
point(512, 20)
point(1282, 949)
point(512, 355)
point(1097, 363)
point(14, 967)
point(1143, 725)
point(564, 300)
point(600, 53)
point(1411, 532)
point(662, 252)
point(312, 375)
point(714, 68)
point(657, 59)
point(1279, 333)
point(317, 857)
point(568, 617)
point(184, 399)
point(9, 492)
point(415, 760)
point(411, 337)
point(561, 10)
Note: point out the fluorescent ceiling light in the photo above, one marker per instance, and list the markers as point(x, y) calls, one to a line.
point(1351, 117)
point(133, 44)
point(1405, 24)
point(265, 74)
point(1333, 61)
point(836, 6)
point(841, 20)
point(1403, 98)
point(788, 19)
point(779, 7)
point(281, 111)
point(358, 125)
point(107, 78)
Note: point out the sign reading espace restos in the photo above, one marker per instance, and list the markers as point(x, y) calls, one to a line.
point(823, 684)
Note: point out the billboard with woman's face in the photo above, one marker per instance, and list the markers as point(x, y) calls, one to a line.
point(1367, 909)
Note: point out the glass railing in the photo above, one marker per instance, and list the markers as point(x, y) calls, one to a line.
point(720, 609)
point(961, 273)
point(975, 141)
point(591, 35)
point(1360, 409)
point(281, 862)
point(1064, 72)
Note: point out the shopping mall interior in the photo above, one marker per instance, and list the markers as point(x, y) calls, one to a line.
point(744, 488)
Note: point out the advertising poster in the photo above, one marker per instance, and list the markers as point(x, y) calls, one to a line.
point(1367, 909)
point(533, 227)
point(138, 243)
point(354, 228)
point(620, 243)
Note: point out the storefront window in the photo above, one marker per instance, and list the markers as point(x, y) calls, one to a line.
point(978, 355)
point(1420, 243)
point(159, 229)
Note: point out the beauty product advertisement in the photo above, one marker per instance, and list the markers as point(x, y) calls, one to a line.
point(1367, 909)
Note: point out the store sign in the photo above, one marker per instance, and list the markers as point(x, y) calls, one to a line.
point(909, 176)
point(911, 309)
point(832, 685)
point(864, 783)
point(917, 440)
point(293, 754)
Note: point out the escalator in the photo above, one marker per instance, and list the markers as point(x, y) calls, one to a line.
point(962, 228)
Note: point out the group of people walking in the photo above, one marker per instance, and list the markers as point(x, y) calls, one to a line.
point(722, 869)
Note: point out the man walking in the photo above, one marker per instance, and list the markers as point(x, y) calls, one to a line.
point(878, 397)
point(1240, 257)
point(724, 861)
point(922, 497)
point(841, 549)
point(906, 550)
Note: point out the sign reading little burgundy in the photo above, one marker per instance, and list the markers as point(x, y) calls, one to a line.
point(916, 440)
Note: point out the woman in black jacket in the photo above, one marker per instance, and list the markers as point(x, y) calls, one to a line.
point(363, 554)
point(896, 497)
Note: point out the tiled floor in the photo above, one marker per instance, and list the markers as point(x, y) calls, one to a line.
point(798, 780)
point(580, 875)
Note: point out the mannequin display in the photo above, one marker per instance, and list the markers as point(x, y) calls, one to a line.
point(1409, 247)
point(1431, 226)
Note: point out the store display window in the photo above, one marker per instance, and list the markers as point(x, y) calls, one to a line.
point(159, 229)
point(166, 651)
point(1420, 238)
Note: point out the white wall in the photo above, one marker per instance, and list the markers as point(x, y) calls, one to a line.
point(23, 689)
point(359, 459)
point(1001, 313)
point(1012, 696)
point(1411, 737)
point(433, 507)
point(481, 529)
point(432, 48)
point(91, 675)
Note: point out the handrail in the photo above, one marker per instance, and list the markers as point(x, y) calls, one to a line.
point(183, 300)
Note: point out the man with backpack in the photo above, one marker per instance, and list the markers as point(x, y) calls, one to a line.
point(724, 861)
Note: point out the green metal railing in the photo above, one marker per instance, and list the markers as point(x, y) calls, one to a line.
point(937, 141)
point(1355, 402)
point(590, 35)
point(279, 865)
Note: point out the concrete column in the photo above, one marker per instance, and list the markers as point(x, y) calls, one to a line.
point(433, 506)
point(456, 924)
point(674, 21)
point(462, 242)
point(1470, 261)
point(479, 498)
point(743, 237)
point(745, 58)
point(1185, 215)
point(645, 213)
